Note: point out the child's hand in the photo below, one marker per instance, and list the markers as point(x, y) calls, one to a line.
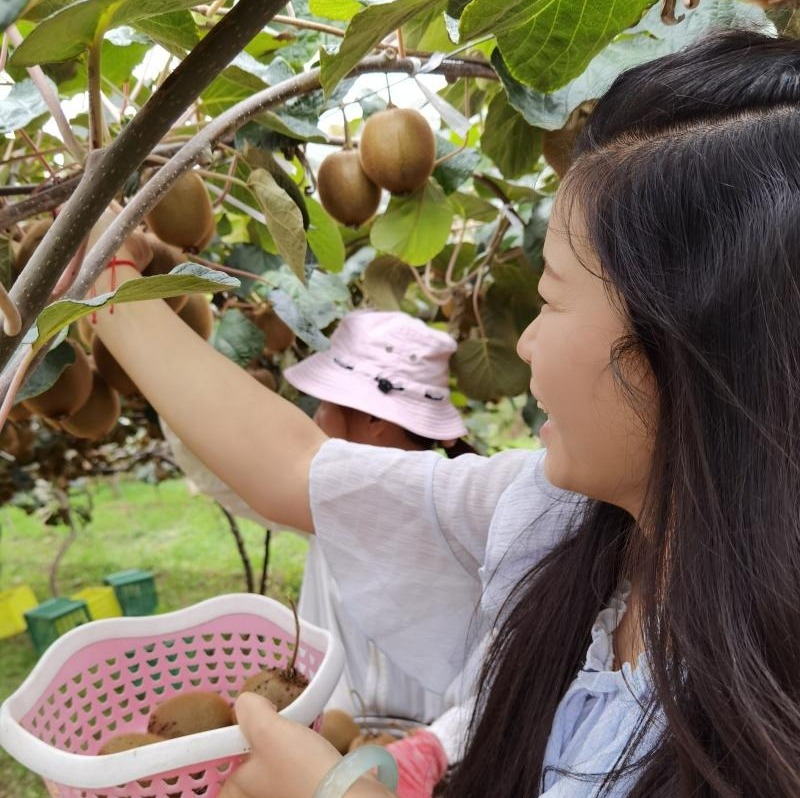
point(288, 760)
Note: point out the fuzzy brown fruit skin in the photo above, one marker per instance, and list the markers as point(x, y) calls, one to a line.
point(279, 336)
point(127, 741)
point(111, 371)
point(339, 729)
point(198, 315)
point(184, 217)
point(98, 415)
point(190, 713)
point(345, 190)
point(164, 259)
point(277, 685)
point(397, 149)
point(9, 440)
point(265, 377)
point(19, 413)
point(379, 738)
point(68, 393)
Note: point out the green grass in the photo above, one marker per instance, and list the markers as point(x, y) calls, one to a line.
point(184, 540)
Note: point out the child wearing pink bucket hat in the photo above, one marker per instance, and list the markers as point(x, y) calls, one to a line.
point(389, 366)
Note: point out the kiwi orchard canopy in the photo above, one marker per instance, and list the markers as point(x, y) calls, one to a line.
point(389, 365)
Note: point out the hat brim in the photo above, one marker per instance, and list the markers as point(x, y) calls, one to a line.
point(317, 376)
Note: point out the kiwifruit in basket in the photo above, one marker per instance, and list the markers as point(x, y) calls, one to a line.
point(184, 216)
point(126, 741)
point(339, 729)
point(69, 392)
point(190, 713)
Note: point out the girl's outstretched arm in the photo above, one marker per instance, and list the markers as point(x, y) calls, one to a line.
point(288, 760)
point(258, 443)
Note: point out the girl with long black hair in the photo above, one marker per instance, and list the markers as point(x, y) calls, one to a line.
point(643, 572)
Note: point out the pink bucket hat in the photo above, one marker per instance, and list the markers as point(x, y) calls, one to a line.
point(387, 364)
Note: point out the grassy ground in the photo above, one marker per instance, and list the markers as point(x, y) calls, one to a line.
point(184, 540)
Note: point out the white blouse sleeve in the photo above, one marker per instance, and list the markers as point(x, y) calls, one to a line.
point(404, 535)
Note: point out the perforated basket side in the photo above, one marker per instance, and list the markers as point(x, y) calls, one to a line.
point(107, 676)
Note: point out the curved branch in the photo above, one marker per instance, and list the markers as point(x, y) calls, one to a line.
point(12, 322)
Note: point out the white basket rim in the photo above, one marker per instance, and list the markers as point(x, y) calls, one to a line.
point(92, 771)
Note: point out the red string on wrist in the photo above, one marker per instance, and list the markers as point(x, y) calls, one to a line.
point(112, 264)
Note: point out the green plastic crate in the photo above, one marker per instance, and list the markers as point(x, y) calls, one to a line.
point(54, 617)
point(135, 591)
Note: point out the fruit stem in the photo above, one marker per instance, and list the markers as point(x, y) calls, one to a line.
point(401, 45)
point(348, 142)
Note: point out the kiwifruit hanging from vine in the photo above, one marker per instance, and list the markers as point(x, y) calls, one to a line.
point(198, 315)
point(397, 149)
point(165, 257)
point(111, 370)
point(9, 439)
point(265, 377)
point(279, 336)
point(345, 190)
point(279, 685)
point(31, 238)
point(184, 217)
point(190, 713)
point(98, 415)
point(69, 392)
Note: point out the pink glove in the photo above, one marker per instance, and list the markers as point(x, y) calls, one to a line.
point(421, 763)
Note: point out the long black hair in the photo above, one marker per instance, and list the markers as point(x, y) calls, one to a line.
point(687, 176)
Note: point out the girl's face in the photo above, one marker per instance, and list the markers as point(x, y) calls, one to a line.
point(596, 443)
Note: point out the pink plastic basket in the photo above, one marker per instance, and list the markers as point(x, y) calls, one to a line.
point(105, 677)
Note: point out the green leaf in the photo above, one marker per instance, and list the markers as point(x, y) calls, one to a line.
point(468, 206)
point(385, 282)
point(416, 227)
point(509, 140)
point(458, 168)
point(290, 126)
point(229, 88)
point(648, 40)
point(284, 219)
point(119, 62)
point(237, 337)
point(253, 259)
point(69, 31)
point(489, 368)
point(324, 238)
point(547, 43)
point(48, 371)
point(9, 11)
point(188, 278)
point(21, 106)
point(176, 31)
point(366, 29)
point(297, 319)
point(342, 10)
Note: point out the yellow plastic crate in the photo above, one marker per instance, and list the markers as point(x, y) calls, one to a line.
point(14, 603)
point(101, 602)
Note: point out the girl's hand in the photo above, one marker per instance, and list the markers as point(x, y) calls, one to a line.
point(288, 760)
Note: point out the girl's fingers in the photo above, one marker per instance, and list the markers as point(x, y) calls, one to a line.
point(288, 760)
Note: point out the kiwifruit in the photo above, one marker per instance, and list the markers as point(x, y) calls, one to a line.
point(279, 336)
point(31, 238)
point(279, 685)
point(127, 741)
point(190, 713)
point(397, 149)
point(19, 413)
point(165, 257)
point(69, 392)
point(372, 738)
point(339, 729)
point(345, 191)
point(9, 439)
point(198, 315)
point(265, 377)
point(184, 217)
point(111, 370)
point(98, 415)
